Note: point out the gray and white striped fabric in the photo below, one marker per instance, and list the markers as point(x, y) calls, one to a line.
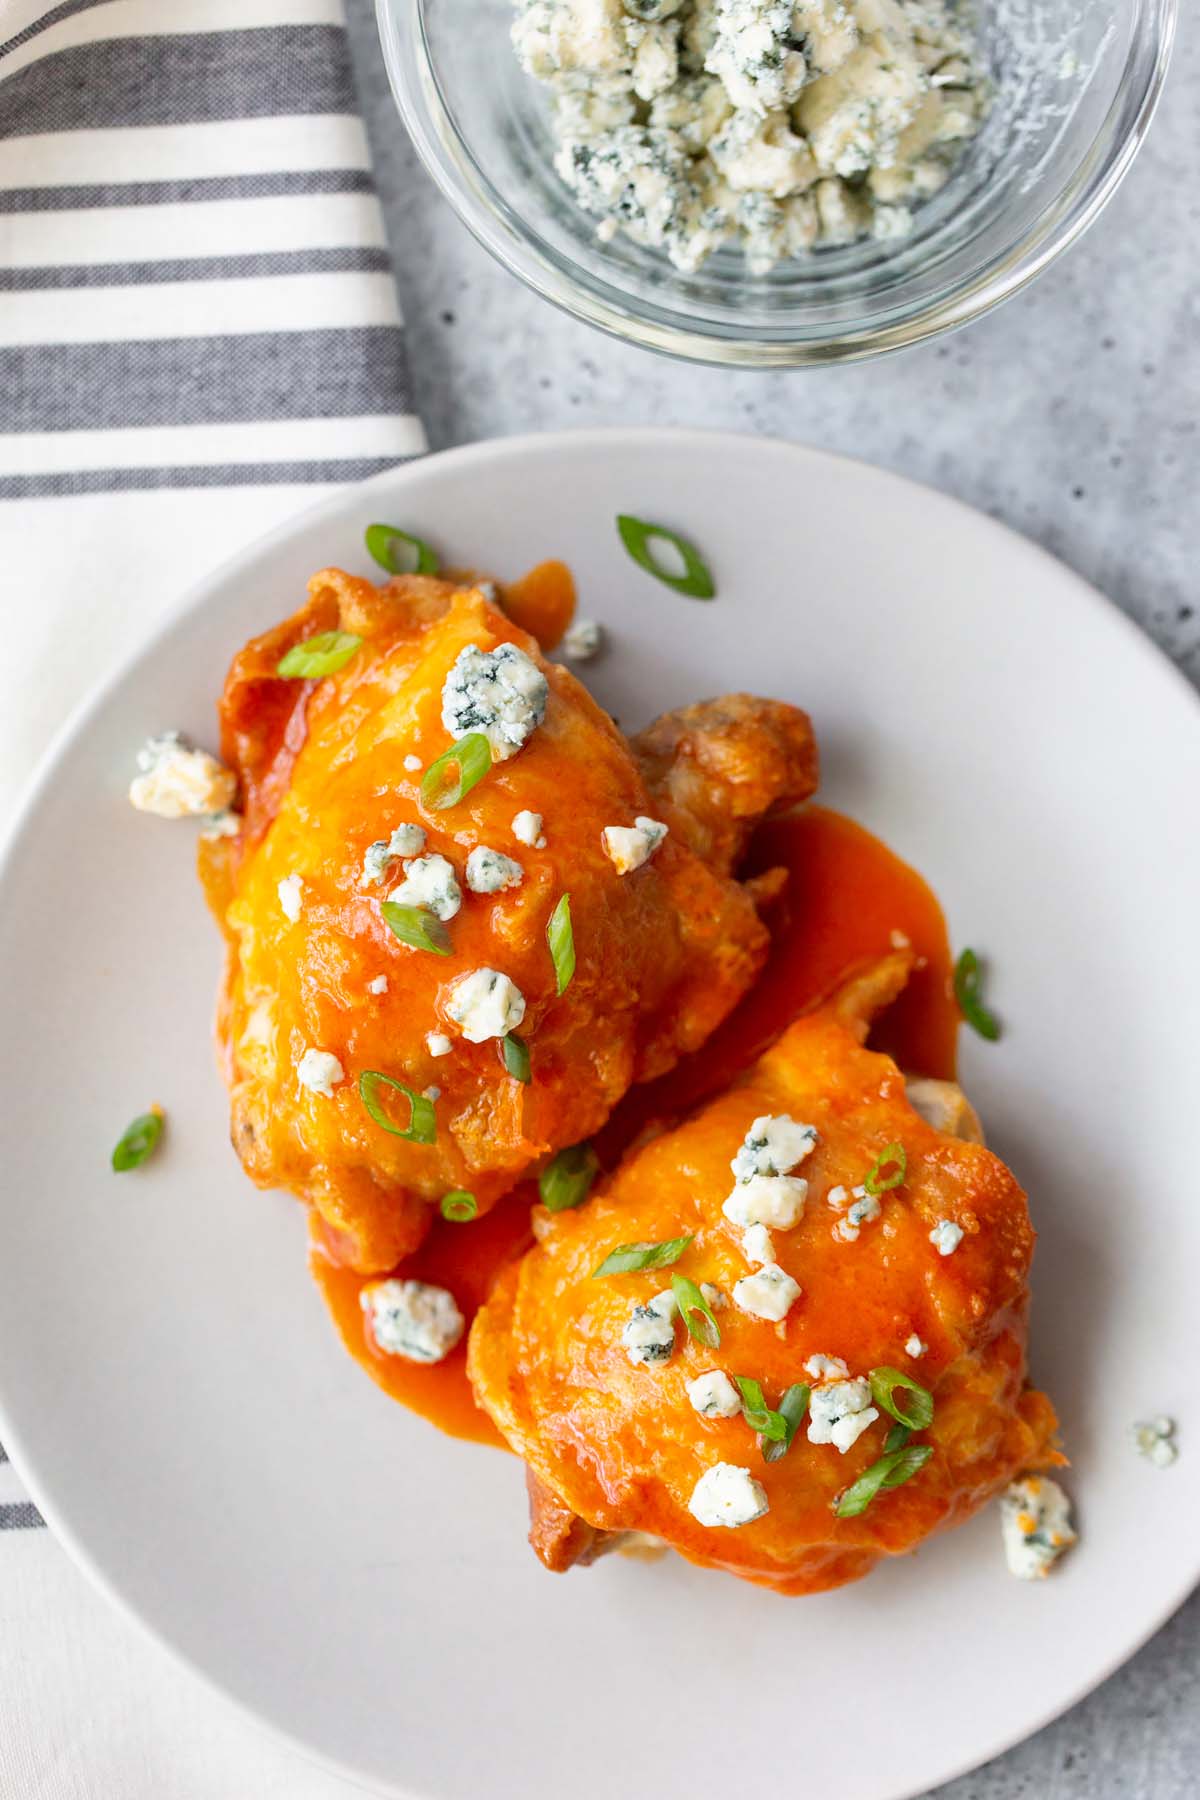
point(198, 325)
point(198, 321)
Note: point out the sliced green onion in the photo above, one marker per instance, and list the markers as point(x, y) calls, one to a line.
point(456, 771)
point(890, 1471)
point(966, 992)
point(875, 1181)
point(514, 1052)
point(915, 1413)
point(138, 1140)
point(413, 925)
point(757, 1414)
point(792, 1409)
point(561, 939)
point(896, 1439)
point(422, 1121)
point(627, 1257)
point(320, 655)
point(637, 536)
point(380, 540)
point(459, 1207)
point(564, 1183)
point(695, 1312)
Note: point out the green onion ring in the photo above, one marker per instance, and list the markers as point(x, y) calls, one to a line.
point(470, 759)
point(966, 992)
point(628, 1257)
point(317, 656)
point(422, 1121)
point(637, 535)
point(138, 1140)
point(890, 1471)
point(415, 927)
point(875, 1181)
point(459, 1206)
point(514, 1054)
point(564, 1183)
point(792, 1409)
point(916, 1413)
point(561, 938)
point(379, 540)
point(695, 1312)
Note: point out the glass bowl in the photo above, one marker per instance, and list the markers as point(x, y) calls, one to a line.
point(1075, 85)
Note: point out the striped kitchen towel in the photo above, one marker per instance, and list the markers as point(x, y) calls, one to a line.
point(198, 325)
point(198, 322)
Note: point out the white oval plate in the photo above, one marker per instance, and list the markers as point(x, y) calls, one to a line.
point(172, 1389)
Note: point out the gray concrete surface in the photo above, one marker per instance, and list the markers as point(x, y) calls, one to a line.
point(1071, 414)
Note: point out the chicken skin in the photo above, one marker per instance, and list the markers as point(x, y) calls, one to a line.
point(384, 929)
point(843, 1246)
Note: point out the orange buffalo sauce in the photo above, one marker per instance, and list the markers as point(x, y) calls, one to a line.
point(542, 602)
point(846, 895)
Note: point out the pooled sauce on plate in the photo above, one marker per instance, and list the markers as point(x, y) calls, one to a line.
point(542, 602)
point(846, 896)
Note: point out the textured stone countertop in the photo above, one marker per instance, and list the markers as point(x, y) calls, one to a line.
point(1071, 413)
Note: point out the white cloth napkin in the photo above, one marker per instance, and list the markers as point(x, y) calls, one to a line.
point(198, 335)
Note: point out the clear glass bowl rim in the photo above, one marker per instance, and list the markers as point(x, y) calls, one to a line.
point(1073, 209)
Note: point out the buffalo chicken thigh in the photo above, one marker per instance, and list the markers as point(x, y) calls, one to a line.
point(397, 950)
point(830, 1264)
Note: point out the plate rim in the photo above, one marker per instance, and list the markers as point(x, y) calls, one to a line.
point(198, 594)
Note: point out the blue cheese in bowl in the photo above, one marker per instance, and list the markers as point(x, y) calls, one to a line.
point(671, 117)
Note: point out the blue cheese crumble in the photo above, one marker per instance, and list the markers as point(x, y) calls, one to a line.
point(223, 824)
point(320, 1071)
point(858, 1207)
point(412, 1319)
point(500, 692)
point(915, 1347)
point(378, 986)
point(437, 1043)
point(770, 1293)
point(1035, 1522)
point(946, 1236)
point(714, 1396)
point(406, 840)
point(490, 871)
point(839, 1409)
point(668, 114)
point(629, 846)
point(1154, 1439)
point(757, 1246)
point(649, 1336)
point(774, 1145)
point(776, 1201)
point(485, 1004)
point(527, 829)
point(430, 883)
point(177, 781)
point(291, 896)
point(583, 640)
point(727, 1495)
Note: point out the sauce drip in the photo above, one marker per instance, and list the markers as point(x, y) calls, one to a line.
point(846, 895)
point(542, 602)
